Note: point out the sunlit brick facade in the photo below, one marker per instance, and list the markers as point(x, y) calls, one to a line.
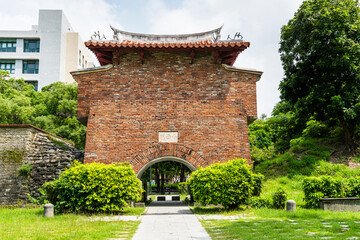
point(163, 99)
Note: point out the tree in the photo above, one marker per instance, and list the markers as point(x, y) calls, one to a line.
point(269, 136)
point(261, 139)
point(320, 53)
point(53, 109)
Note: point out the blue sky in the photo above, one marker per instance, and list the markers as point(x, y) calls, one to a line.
point(259, 21)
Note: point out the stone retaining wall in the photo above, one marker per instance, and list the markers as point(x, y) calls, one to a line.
point(340, 204)
point(49, 155)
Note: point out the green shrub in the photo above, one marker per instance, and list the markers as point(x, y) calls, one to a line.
point(173, 186)
point(354, 187)
point(259, 202)
point(279, 199)
point(24, 171)
point(183, 188)
point(49, 190)
point(316, 188)
point(257, 184)
point(94, 187)
point(39, 200)
point(229, 183)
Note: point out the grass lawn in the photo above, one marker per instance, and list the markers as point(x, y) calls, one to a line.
point(292, 186)
point(268, 223)
point(279, 224)
point(30, 224)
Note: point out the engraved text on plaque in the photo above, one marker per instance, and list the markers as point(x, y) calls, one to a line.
point(168, 137)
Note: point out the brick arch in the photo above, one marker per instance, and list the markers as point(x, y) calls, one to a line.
point(168, 151)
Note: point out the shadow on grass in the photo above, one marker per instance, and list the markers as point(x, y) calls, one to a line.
point(124, 212)
point(217, 210)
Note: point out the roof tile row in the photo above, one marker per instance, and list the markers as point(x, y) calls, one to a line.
point(199, 44)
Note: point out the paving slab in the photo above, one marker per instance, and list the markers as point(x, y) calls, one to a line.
point(170, 221)
point(113, 218)
point(224, 217)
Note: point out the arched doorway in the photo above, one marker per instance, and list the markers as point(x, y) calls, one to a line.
point(162, 178)
point(167, 152)
point(163, 159)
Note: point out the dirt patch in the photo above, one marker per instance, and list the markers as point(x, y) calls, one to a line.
point(340, 153)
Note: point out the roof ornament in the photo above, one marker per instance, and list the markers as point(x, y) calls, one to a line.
point(97, 36)
point(237, 37)
point(213, 35)
point(216, 35)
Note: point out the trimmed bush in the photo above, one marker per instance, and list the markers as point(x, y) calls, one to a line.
point(183, 188)
point(279, 199)
point(316, 188)
point(257, 181)
point(229, 183)
point(260, 202)
point(94, 187)
point(173, 186)
point(354, 187)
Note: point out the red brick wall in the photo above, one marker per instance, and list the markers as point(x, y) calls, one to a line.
point(129, 104)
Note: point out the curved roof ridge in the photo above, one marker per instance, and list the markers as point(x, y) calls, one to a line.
point(213, 35)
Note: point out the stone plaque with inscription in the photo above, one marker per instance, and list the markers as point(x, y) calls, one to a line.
point(168, 137)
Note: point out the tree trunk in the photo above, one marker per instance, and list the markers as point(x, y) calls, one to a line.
point(145, 193)
point(162, 183)
point(157, 179)
point(347, 133)
point(182, 173)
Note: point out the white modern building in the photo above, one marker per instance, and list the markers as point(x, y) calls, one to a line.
point(46, 53)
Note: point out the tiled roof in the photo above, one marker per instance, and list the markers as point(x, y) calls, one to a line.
point(170, 45)
point(227, 51)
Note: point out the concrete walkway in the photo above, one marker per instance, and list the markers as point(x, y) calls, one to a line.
point(170, 221)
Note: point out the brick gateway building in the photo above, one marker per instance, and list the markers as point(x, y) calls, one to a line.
point(166, 97)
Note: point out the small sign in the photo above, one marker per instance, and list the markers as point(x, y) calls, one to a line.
point(168, 137)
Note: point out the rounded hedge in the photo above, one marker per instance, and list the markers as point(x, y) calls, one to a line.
point(94, 187)
point(229, 184)
point(316, 188)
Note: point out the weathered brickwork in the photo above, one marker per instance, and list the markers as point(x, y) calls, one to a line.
point(25, 144)
point(127, 104)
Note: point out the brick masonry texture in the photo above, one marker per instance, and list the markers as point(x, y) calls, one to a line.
point(127, 105)
point(30, 146)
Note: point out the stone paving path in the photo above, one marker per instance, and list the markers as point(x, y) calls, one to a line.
point(170, 221)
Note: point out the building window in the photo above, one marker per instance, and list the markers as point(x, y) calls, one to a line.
point(31, 45)
point(31, 66)
point(34, 83)
point(79, 57)
point(8, 66)
point(7, 45)
point(82, 65)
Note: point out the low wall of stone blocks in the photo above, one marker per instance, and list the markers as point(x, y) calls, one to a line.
point(25, 144)
point(340, 204)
